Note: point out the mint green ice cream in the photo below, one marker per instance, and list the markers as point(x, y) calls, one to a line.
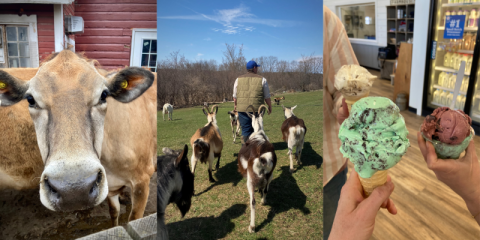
point(374, 136)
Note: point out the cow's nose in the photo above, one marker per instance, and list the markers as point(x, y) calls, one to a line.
point(66, 195)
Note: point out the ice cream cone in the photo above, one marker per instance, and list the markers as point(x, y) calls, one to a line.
point(369, 184)
point(350, 100)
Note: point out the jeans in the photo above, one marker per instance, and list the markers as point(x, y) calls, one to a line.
point(331, 195)
point(245, 123)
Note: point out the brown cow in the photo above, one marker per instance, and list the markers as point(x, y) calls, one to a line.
point(85, 151)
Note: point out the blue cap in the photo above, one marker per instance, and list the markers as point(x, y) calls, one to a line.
point(252, 64)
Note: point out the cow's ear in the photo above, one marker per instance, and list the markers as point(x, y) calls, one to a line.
point(182, 155)
point(12, 89)
point(129, 83)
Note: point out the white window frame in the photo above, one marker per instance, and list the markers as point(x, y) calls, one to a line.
point(359, 40)
point(134, 39)
point(31, 21)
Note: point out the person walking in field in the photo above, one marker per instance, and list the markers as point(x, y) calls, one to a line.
point(250, 89)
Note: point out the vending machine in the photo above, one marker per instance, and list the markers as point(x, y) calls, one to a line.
point(453, 38)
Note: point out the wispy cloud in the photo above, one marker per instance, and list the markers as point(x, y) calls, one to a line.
point(233, 20)
point(266, 34)
point(207, 39)
point(199, 54)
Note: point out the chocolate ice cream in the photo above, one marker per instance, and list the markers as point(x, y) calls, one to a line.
point(447, 126)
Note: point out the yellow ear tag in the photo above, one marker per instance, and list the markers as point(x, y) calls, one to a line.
point(3, 85)
point(124, 84)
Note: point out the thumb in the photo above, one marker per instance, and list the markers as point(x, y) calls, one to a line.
point(471, 153)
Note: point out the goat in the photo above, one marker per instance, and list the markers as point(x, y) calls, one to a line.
point(207, 143)
point(293, 130)
point(256, 161)
point(168, 109)
point(277, 100)
point(234, 122)
point(175, 184)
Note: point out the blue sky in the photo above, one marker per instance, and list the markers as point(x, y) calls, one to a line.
point(200, 29)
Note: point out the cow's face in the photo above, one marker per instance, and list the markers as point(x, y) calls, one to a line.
point(68, 102)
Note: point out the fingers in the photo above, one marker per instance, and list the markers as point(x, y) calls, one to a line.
point(422, 145)
point(345, 107)
point(381, 194)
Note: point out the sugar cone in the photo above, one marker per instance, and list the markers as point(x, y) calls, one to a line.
point(350, 100)
point(377, 180)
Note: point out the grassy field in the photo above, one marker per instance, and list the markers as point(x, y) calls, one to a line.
point(221, 210)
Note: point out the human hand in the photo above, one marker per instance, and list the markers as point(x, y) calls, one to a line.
point(461, 175)
point(342, 112)
point(355, 217)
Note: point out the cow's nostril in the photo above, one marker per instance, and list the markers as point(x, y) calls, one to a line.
point(99, 177)
point(49, 186)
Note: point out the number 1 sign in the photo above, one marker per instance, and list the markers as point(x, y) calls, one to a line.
point(454, 27)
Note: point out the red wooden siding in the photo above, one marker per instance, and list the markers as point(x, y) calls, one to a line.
point(44, 12)
point(108, 28)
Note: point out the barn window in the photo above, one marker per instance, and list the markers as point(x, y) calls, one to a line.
point(18, 46)
point(149, 54)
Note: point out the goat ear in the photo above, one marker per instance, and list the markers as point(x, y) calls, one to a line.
point(182, 155)
point(205, 112)
point(293, 107)
point(129, 83)
point(216, 110)
point(250, 115)
point(283, 107)
point(12, 89)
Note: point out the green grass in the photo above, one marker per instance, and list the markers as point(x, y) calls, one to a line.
point(220, 210)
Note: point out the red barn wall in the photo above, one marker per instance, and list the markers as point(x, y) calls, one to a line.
point(44, 12)
point(108, 28)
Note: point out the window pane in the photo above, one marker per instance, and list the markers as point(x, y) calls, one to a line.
point(154, 46)
point(24, 50)
point(153, 60)
point(13, 62)
point(146, 46)
point(12, 49)
point(359, 20)
point(22, 34)
point(11, 34)
point(25, 62)
point(144, 60)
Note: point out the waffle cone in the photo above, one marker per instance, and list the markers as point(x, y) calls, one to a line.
point(377, 180)
point(350, 100)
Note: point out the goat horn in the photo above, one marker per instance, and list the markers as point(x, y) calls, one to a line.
point(250, 106)
point(213, 107)
point(260, 108)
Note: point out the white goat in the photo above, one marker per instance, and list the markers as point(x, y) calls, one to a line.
point(168, 109)
point(293, 131)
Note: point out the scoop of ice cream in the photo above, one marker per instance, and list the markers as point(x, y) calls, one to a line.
point(374, 136)
point(353, 80)
point(447, 126)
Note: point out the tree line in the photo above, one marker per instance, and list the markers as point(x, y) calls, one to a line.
point(182, 82)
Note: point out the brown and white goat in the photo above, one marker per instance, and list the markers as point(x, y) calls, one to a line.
point(234, 123)
point(293, 131)
point(256, 161)
point(207, 143)
point(277, 100)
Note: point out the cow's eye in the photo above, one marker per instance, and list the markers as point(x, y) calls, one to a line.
point(31, 101)
point(103, 97)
